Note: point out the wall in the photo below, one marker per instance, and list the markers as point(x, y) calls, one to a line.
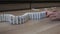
point(36, 5)
point(26, 5)
point(14, 6)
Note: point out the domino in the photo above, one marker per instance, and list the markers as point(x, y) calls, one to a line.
point(12, 20)
point(30, 15)
point(20, 19)
point(43, 15)
point(39, 16)
point(16, 20)
point(0, 18)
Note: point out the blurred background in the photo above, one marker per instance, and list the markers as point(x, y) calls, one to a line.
point(12, 6)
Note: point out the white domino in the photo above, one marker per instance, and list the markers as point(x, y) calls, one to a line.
point(43, 14)
point(23, 17)
point(30, 15)
point(26, 17)
point(39, 16)
point(19, 19)
point(13, 20)
point(0, 18)
point(35, 16)
point(16, 19)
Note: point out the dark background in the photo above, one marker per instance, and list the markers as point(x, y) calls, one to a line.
point(27, 4)
point(29, 0)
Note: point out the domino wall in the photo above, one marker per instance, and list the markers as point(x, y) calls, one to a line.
point(23, 18)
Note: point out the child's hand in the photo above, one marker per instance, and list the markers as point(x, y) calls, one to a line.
point(53, 15)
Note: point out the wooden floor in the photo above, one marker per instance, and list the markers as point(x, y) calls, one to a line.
point(43, 26)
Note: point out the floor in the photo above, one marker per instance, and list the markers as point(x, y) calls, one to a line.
point(43, 26)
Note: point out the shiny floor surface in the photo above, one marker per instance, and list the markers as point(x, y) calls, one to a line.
point(43, 26)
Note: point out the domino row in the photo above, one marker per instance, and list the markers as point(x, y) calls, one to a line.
point(37, 15)
point(23, 18)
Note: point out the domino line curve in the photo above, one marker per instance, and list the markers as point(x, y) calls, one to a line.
point(23, 18)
